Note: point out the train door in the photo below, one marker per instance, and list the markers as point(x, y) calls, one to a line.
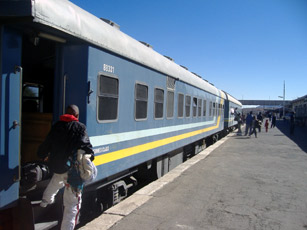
point(10, 114)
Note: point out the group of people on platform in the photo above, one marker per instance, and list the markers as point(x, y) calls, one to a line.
point(254, 122)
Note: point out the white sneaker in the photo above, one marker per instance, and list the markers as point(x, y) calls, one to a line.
point(43, 204)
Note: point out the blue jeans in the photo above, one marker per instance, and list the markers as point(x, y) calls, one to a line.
point(248, 129)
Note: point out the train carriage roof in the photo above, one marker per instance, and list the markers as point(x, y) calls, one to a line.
point(232, 99)
point(69, 18)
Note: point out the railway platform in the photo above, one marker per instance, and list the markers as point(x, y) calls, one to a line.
point(239, 183)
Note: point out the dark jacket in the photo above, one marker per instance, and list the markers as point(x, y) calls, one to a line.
point(64, 139)
point(249, 119)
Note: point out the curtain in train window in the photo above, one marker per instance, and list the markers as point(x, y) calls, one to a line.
point(141, 101)
point(170, 104)
point(199, 108)
point(204, 107)
point(107, 98)
point(194, 106)
point(180, 105)
point(187, 105)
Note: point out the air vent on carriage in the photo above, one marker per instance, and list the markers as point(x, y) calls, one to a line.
point(111, 23)
point(184, 67)
point(197, 75)
point(170, 83)
point(169, 58)
point(146, 44)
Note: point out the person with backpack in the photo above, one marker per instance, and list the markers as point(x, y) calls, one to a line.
point(66, 150)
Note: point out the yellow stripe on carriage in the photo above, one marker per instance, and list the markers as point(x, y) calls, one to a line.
point(120, 154)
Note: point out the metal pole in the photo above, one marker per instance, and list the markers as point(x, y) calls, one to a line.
point(283, 113)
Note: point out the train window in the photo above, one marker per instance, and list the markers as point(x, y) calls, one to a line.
point(199, 107)
point(214, 109)
point(180, 105)
point(210, 109)
point(107, 98)
point(187, 105)
point(194, 106)
point(159, 101)
point(204, 107)
point(32, 98)
point(170, 104)
point(141, 101)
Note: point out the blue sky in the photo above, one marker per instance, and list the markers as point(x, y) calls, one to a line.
point(246, 47)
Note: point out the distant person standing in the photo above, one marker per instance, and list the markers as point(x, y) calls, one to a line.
point(243, 118)
point(273, 124)
point(239, 120)
point(270, 117)
point(255, 125)
point(266, 125)
point(260, 119)
point(248, 121)
point(292, 123)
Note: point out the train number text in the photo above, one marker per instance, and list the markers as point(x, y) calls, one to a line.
point(108, 68)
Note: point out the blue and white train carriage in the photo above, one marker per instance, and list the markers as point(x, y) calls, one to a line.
point(144, 113)
point(231, 104)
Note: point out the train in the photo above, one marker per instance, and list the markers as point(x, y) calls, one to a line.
point(145, 114)
point(299, 107)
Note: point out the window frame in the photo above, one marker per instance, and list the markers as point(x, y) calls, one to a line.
point(204, 110)
point(135, 100)
point(199, 107)
point(194, 106)
point(154, 111)
point(167, 104)
point(182, 107)
point(30, 95)
point(103, 74)
point(214, 108)
point(185, 105)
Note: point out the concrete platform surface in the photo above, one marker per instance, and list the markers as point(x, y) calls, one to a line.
point(239, 183)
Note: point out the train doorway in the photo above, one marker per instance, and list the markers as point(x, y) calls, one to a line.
point(38, 62)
